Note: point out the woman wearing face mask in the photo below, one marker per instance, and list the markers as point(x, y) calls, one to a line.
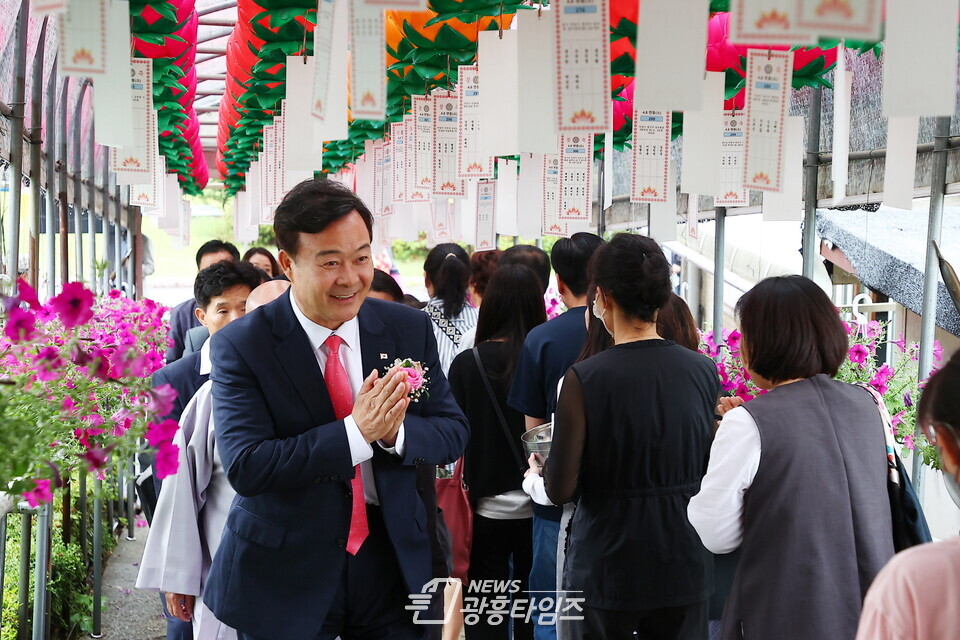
point(797, 477)
point(631, 436)
point(917, 595)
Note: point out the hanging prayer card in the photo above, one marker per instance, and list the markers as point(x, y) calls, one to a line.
point(421, 190)
point(253, 190)
point(134, 164)
point(147, 196)
point(47, 7)
point(537, 124)
point(486, 218)
point(499, 113)
point(446, 112)
point(551, 224)
point(767, 104)
point(298, 123)
point(530, 195)
point(576, 160)
point(671, 38)
point(112, 92)
point(398, 5)
point(703, 140)
point(470, 162)
point(385, 168)
point(855, 19)
point(767, 22)
point(920, 58)
point(901, 162)
point(329, 105)
point(507, 197)
point(444, 217)
point(651, 155)
point(788, 204)
point(842, 92)
point(662, 216)
point(377, 179)
point(83, 38)
point(398, 142)
point(368, 82)
point(172, 200)
point(733, 193)
point(583, 66)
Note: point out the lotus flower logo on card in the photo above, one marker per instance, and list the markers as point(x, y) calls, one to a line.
point(82, 56)
point(130, 162)
point(839, 8)
point(416, 195)
point(555, 228)
point(425, 181)
point(649, 191)
point(368, 100)
point(761, 178)
point(318, 106)
point(583, 116)
point(142, 196)
point(474, 166)
point(448, 186)
point(573, 212)
point(731, 195)
point(773, 19)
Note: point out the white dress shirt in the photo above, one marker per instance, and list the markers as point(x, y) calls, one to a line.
point(206, 364)
point(717, 511)
point(352, 359)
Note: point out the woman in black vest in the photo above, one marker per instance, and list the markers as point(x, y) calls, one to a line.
point(631, 437)
point(811, 514)
point(493, 462)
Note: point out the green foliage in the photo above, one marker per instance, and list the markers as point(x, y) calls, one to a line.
point(404, 251)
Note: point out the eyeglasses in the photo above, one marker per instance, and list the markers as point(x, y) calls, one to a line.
point(930, 431)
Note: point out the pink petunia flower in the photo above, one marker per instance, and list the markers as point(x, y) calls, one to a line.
point(49, 365)
point(21, 325)
point(96, 458)
point(167, 461)
point(858, 354)
point(74, 305)
point(158, 433)
point(160, 400)
point(40, 494)
point(908, 442)
point(27, 294)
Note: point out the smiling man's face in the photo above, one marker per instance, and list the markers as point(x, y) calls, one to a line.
point(332, 271)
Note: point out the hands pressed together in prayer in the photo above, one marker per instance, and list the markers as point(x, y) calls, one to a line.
point(381, 406)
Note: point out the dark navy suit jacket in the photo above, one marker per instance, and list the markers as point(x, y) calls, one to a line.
point(182, 319)
point(279, 562)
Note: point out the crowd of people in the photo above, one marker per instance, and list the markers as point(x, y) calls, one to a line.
point(318, 403)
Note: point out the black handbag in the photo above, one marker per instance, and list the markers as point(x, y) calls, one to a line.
point(909, 524)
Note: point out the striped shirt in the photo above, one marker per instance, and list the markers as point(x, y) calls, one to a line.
point(449, 331)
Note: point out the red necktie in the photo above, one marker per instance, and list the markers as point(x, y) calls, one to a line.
point(341, 395)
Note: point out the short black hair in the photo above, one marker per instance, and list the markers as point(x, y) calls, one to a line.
point(570, 257)
point(791, 330)
point(448, 268)
point(529, 256)
point(219, 277)
point(217, 246)
point(383, 282)
point(633, 270)
point(310, 207)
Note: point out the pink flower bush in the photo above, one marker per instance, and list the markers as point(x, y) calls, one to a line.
point(167, 460)
point(859, 354)
point(77, 392)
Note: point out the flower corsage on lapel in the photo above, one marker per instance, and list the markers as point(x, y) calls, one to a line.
point(416, 377)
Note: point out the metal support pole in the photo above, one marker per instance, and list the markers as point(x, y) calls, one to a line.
point(26, 524)
point(133, 233)
point(3, 550)
point(719, 266)
point(91, 212)
point(931, 273)
point(82, 506)
point(64, 183)
point(601, 214)
point(78, 177)
point(51, 212)
point(97, 558)
point(16, 140)
point(36, 200)
point(810, 250)
point(117, 239)
point(41, 568)
point(131, 501)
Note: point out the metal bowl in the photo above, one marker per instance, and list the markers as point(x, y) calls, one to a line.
point(538, 440)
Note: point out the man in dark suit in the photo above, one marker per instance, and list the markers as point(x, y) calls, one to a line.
point(328, 534)
point(220, 292)
point(183, 316)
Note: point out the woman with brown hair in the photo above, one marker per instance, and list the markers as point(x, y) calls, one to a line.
point(816, 528)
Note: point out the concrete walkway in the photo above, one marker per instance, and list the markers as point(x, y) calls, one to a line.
point(129, 613)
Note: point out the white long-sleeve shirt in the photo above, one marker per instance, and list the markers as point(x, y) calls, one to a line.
point(717, 511)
